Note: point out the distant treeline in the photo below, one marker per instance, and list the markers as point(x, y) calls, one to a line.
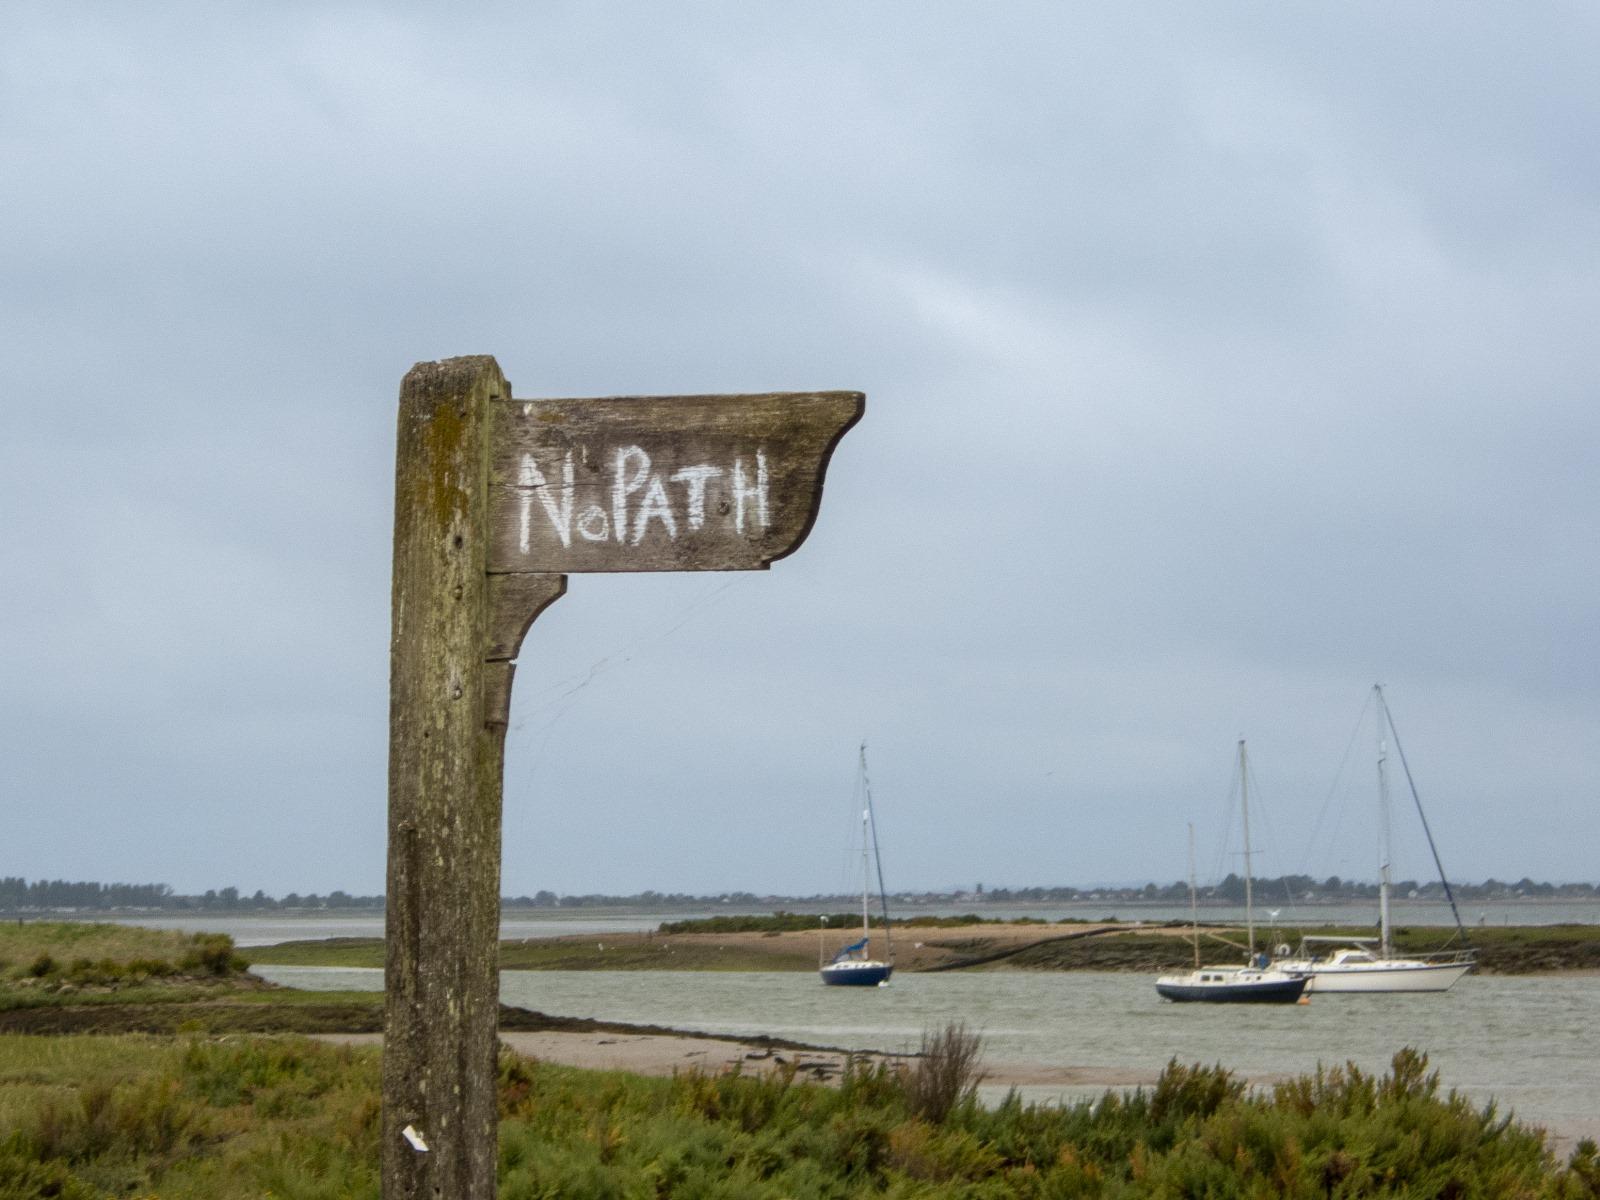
point(18, 895)
point(1294, 889)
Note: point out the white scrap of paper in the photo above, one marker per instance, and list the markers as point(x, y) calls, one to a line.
point(412, 1135)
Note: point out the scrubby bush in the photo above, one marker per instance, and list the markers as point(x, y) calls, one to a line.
point(212, 954)
point(945, 1074)
point(288, 1117)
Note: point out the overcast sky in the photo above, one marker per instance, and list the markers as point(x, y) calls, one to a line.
point(1220, 361)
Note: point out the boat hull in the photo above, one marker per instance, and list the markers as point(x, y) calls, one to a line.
point(1286, 990)
point(857, 974)
point(1420, 977)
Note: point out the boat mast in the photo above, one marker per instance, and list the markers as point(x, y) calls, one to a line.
point(865, 873)
point(1383, 825)
point(1244, 808)
point(1194, 906)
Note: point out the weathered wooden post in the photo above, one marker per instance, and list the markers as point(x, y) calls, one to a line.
point(495, 501)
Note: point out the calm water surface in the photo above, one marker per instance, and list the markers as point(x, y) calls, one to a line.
point(260, 929)
point(1529, 1044)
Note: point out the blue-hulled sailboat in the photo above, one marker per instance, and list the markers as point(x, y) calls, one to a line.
point(1257, 981)
point(854, 966)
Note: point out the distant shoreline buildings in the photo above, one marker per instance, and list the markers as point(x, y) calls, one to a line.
point(19, 896)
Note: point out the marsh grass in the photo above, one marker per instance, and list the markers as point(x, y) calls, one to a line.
point(194, 1117)
point(186, 1117)
point(320, 952)
point(68, 940)
point(42, 958)
point(1507, 950)
point(788, 922)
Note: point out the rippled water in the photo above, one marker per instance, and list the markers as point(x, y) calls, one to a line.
point(1530, 1044)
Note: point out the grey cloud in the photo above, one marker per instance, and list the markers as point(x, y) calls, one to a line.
point(1219, 362)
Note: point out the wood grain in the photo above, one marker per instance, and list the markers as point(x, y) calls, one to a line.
point(515, 602)
point(443, 887)
point(660, 483)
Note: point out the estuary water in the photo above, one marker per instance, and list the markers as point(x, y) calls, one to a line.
point(265, 929)
point(1529, 1044)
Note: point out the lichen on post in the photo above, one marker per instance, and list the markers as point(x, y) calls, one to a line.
point(443, 888)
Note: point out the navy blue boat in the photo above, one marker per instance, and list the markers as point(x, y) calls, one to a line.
point(854, 966)
point(1232, 985)
point(1258, 981)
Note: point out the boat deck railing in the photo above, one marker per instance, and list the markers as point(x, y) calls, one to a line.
point(1460, 954)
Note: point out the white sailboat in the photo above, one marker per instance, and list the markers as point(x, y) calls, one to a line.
point(854, 966)
point(1256, 982)
point(1363, 964)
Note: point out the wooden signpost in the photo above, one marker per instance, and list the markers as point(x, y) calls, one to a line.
point(496, 501)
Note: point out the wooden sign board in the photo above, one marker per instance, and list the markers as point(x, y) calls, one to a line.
point(496, 501)
point(660, 483)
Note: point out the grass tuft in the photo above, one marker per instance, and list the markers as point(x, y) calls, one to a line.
point(945, 1074)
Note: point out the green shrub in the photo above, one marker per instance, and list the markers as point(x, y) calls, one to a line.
point(1195, 1091)
point(1583, 1169)
point(236, 1118)
point(212, 954)
point(870, 1085)
point(945, 1074)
